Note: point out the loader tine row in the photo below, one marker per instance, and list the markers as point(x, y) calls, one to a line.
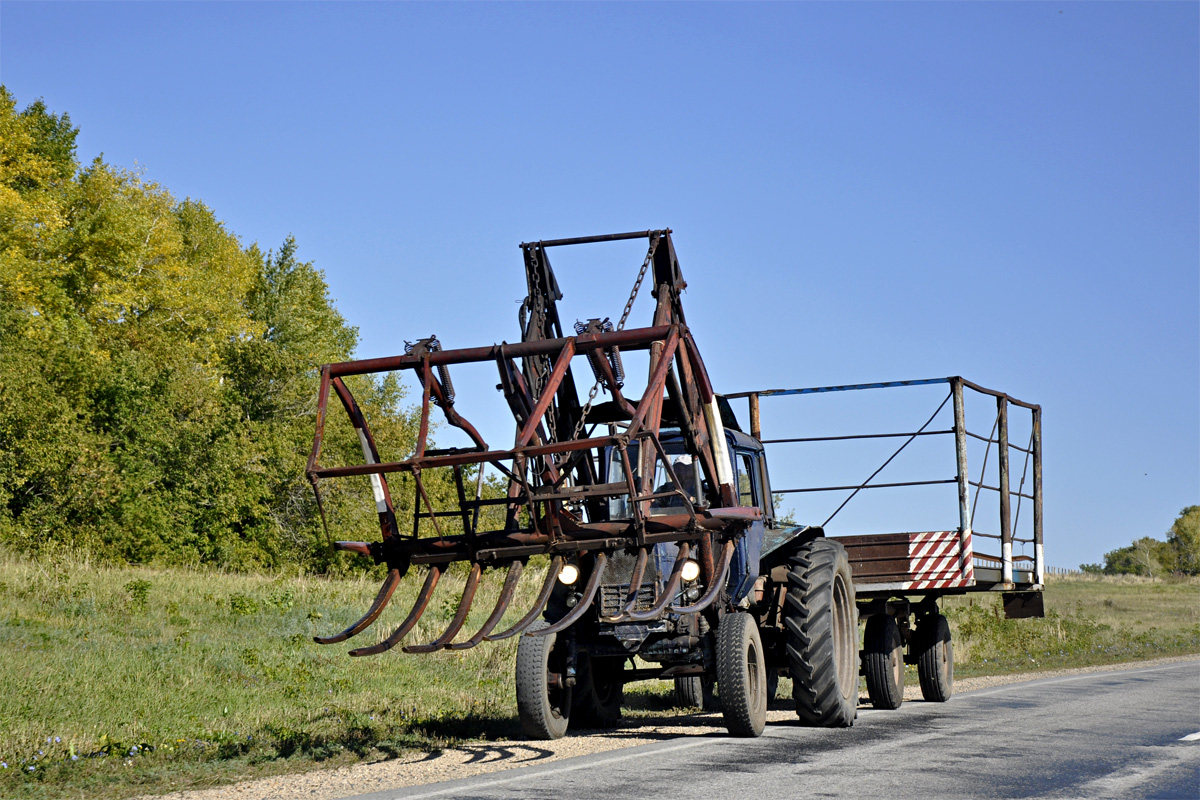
point(714, 587)
point(381, 600)
point(506, 593)
point(585, 602)
point(538, 604)
point(460, 616)
point(668, 592)
point(431, 581)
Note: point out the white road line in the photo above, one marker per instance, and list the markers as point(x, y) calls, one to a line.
point(1008, 687)
point(1191, 737)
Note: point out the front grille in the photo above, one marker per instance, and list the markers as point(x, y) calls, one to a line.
point(613, 597)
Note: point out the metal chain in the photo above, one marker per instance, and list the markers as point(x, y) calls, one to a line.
point(638, 283)
point(620, 326)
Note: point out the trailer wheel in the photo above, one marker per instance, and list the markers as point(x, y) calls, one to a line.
point(935, 658)
point(821, 624)
point(741, 675)
point(883, 662)
point(598, 692)
point(693, 691)
point(544, 709)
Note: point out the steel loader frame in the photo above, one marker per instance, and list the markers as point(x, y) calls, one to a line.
point(555, 504)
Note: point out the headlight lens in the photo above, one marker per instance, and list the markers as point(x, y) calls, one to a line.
point(568, 574)
point(691, 570)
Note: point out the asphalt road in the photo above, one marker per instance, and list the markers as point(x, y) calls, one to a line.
point(1129, 734)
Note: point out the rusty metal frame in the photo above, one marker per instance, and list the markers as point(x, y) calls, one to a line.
point(546, 474)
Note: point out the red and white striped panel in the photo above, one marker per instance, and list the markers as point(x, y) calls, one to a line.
point(938, 560)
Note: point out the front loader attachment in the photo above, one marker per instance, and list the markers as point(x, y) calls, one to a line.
point(571, 495)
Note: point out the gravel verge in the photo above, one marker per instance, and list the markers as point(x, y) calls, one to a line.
point(483, 757)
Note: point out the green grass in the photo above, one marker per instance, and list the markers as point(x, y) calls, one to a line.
point(123, 681)
point(156, 679)
point(1089, 621)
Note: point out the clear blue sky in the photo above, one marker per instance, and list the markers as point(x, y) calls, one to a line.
point(859, 192)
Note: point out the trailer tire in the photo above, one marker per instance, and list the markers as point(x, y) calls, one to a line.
point(883, 662)
point(741, 674)
point(821, 626)
point(935, 658)
point(693, 691)
point(598, 692)
point(544, 711)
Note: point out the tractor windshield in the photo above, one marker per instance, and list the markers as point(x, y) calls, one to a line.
point(672, 487)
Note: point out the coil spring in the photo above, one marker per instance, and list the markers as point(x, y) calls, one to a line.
point(432, 345)
point(611, 353)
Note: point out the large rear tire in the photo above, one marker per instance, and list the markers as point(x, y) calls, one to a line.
point(544, 709)
point(883, 662)
point(598, 692)
point(741, 675)
point(821, 622)
point(935, 658)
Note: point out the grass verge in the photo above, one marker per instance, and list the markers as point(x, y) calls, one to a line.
point(122, 681)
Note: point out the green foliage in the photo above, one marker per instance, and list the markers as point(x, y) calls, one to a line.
point(1184, 539)
point(139, 594)
point(242, 605)
point(1179, 554)
point(158, 380)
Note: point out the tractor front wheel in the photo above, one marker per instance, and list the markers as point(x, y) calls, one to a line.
point(543, 696)
point(598, 692)
point(741, 674)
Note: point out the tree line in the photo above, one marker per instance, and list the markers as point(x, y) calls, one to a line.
point(158, 378)
point(1178, 555)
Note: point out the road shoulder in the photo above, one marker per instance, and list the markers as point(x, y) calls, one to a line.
point(480, 758)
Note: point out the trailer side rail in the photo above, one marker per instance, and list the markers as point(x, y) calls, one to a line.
point(882, 564)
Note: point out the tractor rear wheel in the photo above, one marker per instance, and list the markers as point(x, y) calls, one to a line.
point(935, 658)
point(741, 674)
point(821, 622)
point(543, 698)
point(883, 662)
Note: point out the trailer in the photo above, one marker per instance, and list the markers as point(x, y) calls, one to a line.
point(899, 577)
point(651, 516)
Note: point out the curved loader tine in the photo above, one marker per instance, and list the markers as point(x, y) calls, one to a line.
point(585, 602)
point(431, 581)
point(385, 593)
point(460, 616)
point(510, 585)
point(669, 590)
point(713, 590)
point(539, 604)
point(635, 583)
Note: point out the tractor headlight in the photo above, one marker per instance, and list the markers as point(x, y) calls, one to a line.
point(690, 571)
point(568, 574)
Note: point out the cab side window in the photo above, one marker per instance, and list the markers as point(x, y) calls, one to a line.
point(748, 489)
